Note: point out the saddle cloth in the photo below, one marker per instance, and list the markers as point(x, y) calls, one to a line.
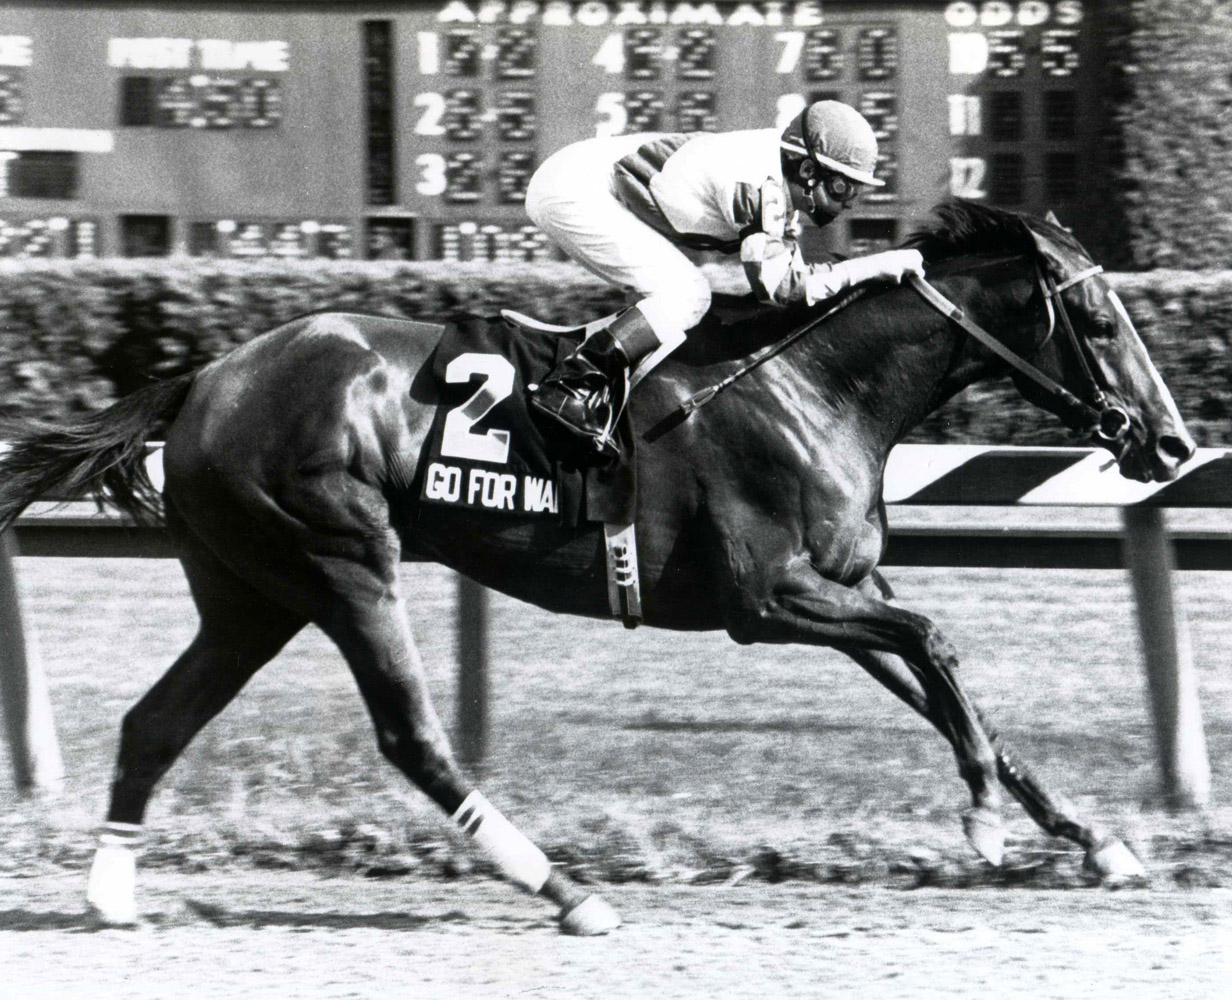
point(486, 455)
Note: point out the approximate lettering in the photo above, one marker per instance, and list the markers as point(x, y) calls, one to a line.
point(777, 14)
point(594, 13)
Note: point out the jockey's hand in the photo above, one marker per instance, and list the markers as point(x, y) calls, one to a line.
point(889, 265)
point(825, 280)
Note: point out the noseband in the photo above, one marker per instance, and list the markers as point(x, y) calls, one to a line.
point(1110, 422)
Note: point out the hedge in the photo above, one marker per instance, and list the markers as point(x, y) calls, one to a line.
point(74, 337)
point(1185, 320)
point(1168, 60)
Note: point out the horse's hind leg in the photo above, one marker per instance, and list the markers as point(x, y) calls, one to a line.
point(375, 637)
point(240, 631)
point(322, 543)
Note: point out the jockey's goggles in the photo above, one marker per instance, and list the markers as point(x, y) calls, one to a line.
point(839, 188)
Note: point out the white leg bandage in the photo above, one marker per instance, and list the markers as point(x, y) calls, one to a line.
point(113, 875)
point(516, 857)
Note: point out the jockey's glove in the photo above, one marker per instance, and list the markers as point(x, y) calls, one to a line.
point(826, 280)
point(777, 272)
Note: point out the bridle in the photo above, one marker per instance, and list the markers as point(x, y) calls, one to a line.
point(1108, 421)
point(1113, 422)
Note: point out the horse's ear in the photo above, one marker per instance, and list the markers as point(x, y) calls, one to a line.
point(1052, 219)
point(1043, 245)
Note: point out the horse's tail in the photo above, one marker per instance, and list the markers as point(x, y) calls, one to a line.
point(101, 455)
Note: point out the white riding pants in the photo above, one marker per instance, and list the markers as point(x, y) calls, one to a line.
point(570, 197)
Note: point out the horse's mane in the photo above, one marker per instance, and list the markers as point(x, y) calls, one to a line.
point(967, 227)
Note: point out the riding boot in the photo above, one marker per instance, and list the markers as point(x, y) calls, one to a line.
point(586, 392)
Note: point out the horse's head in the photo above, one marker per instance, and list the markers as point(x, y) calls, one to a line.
point(1093, 350)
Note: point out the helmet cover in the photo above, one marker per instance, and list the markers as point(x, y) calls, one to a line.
point(835, 136)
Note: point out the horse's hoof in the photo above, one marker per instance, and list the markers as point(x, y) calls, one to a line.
point(592, 916)
point(110, 895)
point(113, 916)
point(1113, 862)
point(986, 833)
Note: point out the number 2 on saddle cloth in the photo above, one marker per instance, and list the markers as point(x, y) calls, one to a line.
point(488, 457)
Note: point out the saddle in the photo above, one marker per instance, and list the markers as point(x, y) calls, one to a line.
point(488, 460)
point(532, 325)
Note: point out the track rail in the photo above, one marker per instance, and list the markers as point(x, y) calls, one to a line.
point(71, 532)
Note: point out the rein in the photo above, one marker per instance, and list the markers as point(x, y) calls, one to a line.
point(1110, 422)
point(700, 399)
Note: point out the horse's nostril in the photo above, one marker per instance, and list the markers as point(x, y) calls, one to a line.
point(1176, 447)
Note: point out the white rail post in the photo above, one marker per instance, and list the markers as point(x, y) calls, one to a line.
point(1171, 681)
point(26, 704)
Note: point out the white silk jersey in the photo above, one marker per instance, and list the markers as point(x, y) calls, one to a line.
point(725, 192)
point(704, 190)
point(625, 207)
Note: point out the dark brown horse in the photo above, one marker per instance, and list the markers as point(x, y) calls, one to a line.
point(291, 467)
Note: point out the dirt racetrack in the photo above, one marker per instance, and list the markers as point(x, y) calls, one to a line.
point(284, 859)
point(296, 935)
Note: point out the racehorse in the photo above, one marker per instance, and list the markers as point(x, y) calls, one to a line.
point(291, 467)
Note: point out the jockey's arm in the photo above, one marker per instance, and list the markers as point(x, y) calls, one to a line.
point(777, 271)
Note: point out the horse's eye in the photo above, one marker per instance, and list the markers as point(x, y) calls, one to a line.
point(1104, 328)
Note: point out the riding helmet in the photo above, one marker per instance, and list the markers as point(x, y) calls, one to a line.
point(835, 136)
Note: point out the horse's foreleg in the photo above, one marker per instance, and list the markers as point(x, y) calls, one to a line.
point(1105, 854)
point(376, 640)
point(802, 606)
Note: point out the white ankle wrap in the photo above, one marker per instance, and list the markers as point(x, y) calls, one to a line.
point(516, 857)
point(110, 889)
point(119, 835)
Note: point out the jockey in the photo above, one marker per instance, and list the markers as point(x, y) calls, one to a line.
point(624, 206)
